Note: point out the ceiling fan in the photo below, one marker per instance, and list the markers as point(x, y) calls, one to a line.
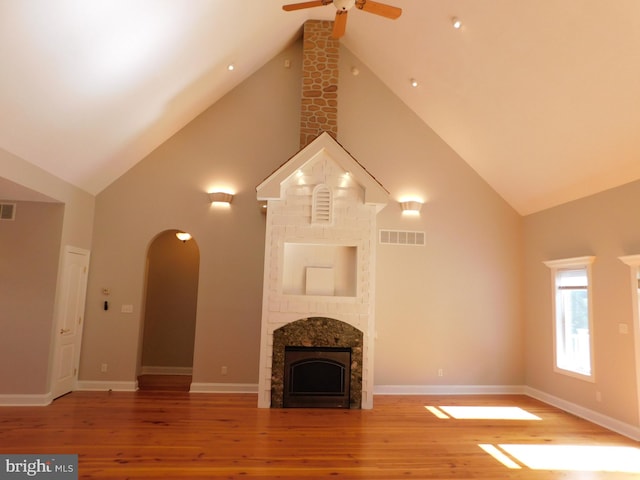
point(342, 9)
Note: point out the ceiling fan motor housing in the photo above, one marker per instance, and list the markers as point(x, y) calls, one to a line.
point(344, 5)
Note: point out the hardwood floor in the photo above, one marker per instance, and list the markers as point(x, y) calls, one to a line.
point(154, 435)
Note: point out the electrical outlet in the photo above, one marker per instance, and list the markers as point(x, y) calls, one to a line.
point(440, 372)
point(104, 367)
point(223, 370)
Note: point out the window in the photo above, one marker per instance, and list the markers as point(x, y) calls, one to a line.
point(572, 316)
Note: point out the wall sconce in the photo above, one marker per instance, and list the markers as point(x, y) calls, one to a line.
point(220, 197)
point(183, 236)
point(412, 207)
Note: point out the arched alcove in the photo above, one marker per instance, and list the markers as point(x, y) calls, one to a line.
point(170, 306)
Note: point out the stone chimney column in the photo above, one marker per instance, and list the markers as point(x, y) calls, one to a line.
point(320, 53)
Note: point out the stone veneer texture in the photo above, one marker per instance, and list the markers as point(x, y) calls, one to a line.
point(320, 54)
point(317, 332)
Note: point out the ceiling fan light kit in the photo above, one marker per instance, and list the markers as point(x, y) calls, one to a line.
point(342, 10)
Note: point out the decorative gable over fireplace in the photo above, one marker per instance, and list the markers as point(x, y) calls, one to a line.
point(319, 251)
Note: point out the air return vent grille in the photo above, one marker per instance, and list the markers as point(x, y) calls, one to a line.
point(402, 237)
point(322, 205)
point(7, 211)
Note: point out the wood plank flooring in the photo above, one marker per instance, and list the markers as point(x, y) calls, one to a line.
point(176, 435)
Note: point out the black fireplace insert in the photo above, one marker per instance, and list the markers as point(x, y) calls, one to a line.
point(317, 377)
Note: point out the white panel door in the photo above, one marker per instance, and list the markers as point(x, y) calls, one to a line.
point(70, 319)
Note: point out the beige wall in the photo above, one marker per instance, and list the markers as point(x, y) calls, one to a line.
point(237, 142)
point(27, 295)
point(604, 225)
point(454, 304)
point(30, 311)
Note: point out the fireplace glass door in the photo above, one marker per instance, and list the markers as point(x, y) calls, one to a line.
point(317, 377)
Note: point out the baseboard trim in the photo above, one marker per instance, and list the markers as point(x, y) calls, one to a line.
point(626, 429)
point(26, 400)
point(223, 388)
point(150, 370)
point(448, 389)
point(92, 386)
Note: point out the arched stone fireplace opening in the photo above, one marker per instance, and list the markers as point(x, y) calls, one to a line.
point(314, 341)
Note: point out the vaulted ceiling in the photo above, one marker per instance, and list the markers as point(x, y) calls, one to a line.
point(541, 98)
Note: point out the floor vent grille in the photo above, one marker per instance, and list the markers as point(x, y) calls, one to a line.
point(402, 237)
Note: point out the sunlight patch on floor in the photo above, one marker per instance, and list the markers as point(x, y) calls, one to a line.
point(585, 458)
point(577, 457)
point(500, 456)
point(482, 413)
point(436, 412)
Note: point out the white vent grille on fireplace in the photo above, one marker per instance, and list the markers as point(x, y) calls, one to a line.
point(7, 211)
point(322, 205)
point(402, 237)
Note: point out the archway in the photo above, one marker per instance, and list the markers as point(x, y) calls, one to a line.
point(170, 313)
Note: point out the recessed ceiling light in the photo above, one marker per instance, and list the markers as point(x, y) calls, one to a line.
point(414, 82)
point(231, 67)
point(457, 24)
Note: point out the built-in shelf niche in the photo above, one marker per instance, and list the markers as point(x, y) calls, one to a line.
point(320, 270)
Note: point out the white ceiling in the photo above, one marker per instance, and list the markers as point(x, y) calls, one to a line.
point(540, 97)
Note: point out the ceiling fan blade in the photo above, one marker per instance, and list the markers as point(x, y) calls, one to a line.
point(300, 6)
point(379, 8)
point(339, 24)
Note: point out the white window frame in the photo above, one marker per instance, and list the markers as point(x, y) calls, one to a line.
point(556, 266)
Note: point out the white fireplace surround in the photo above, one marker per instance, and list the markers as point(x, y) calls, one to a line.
point(320, 249)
